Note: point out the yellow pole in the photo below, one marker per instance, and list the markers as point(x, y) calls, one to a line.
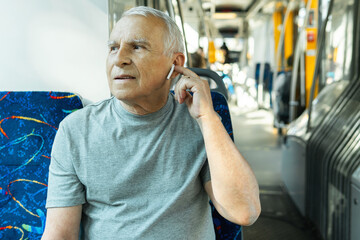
point(277, 19)
point(211, 52)
point(288, 41)
point(288, 37)
point(310, 56)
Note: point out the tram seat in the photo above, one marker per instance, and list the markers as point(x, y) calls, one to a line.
point(28, 124)
point(224, 229)
point(212, 76)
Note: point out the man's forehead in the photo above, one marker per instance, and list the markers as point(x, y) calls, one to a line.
point(128, 27)
point(133, 29)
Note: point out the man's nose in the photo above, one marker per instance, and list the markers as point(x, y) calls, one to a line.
point(122, 57)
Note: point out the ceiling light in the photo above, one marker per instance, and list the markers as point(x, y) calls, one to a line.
point(229, 15)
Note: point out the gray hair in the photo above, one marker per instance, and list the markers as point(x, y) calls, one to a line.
point(173, 42)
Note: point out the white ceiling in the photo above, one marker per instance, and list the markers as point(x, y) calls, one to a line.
point(241, 7)
point(242, 4)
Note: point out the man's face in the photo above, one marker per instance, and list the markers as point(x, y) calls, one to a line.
point(136, 65)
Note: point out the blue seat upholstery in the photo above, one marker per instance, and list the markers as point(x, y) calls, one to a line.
point(224, 229)
point(28, 124)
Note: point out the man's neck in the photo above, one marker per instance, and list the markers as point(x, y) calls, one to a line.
point(145, 106)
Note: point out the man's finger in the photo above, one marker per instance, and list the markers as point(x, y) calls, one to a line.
point(181, 88)
point(178, 90)
point(185, 71)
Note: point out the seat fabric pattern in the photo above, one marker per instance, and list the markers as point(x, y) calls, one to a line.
point(28, 124)
point(224, 229)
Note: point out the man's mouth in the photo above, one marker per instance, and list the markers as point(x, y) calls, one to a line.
point(124, 77)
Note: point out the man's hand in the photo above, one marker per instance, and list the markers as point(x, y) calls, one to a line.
point(200, 103)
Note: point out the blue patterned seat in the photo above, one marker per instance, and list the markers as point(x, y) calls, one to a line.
point(224, 229)
point(28, 124)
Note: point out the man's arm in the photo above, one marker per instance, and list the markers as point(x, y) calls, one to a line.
point(63, 223)
point(233, 187)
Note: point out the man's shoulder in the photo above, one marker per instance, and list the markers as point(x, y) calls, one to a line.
point(85, 114)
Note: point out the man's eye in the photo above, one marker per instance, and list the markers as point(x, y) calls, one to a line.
point(137, 47)
point(114, 48)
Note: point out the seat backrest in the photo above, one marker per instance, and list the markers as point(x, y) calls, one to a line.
point(211, 75)
point(28, 124)
point(224, 229)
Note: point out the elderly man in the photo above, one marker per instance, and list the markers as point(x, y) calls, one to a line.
point(135, 166)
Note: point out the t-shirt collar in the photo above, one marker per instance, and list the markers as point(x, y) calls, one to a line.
point(162, 111)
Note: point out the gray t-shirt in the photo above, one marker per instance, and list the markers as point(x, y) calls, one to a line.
point(138, 177)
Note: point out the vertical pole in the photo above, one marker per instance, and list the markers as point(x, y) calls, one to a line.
point(298, 50)
point(310, 56)
point(288, 39)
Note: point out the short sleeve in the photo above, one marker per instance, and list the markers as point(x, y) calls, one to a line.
point(205, 173)
point(64, 186)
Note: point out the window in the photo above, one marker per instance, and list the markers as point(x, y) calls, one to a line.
point(338, 43)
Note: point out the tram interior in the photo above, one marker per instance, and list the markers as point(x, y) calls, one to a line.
point(291, 71)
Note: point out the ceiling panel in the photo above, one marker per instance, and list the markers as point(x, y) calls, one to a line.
point(233, 4)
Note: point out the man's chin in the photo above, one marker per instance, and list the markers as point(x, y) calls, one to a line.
point(123, 95)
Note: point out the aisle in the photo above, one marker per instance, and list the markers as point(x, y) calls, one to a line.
point(259, 143)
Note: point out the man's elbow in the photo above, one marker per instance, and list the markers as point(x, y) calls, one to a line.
point(252, 215)
point(248, 215)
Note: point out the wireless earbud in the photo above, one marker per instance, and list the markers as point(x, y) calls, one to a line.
point(171, 71)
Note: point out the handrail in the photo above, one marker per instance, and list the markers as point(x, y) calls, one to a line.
point(293, 103)
point(214, 76)
point(319, 52)
point(281, 40)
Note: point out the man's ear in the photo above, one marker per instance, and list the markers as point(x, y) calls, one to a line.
point(178, 60)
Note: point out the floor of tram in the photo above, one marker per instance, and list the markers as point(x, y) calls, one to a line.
point(260, 144)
